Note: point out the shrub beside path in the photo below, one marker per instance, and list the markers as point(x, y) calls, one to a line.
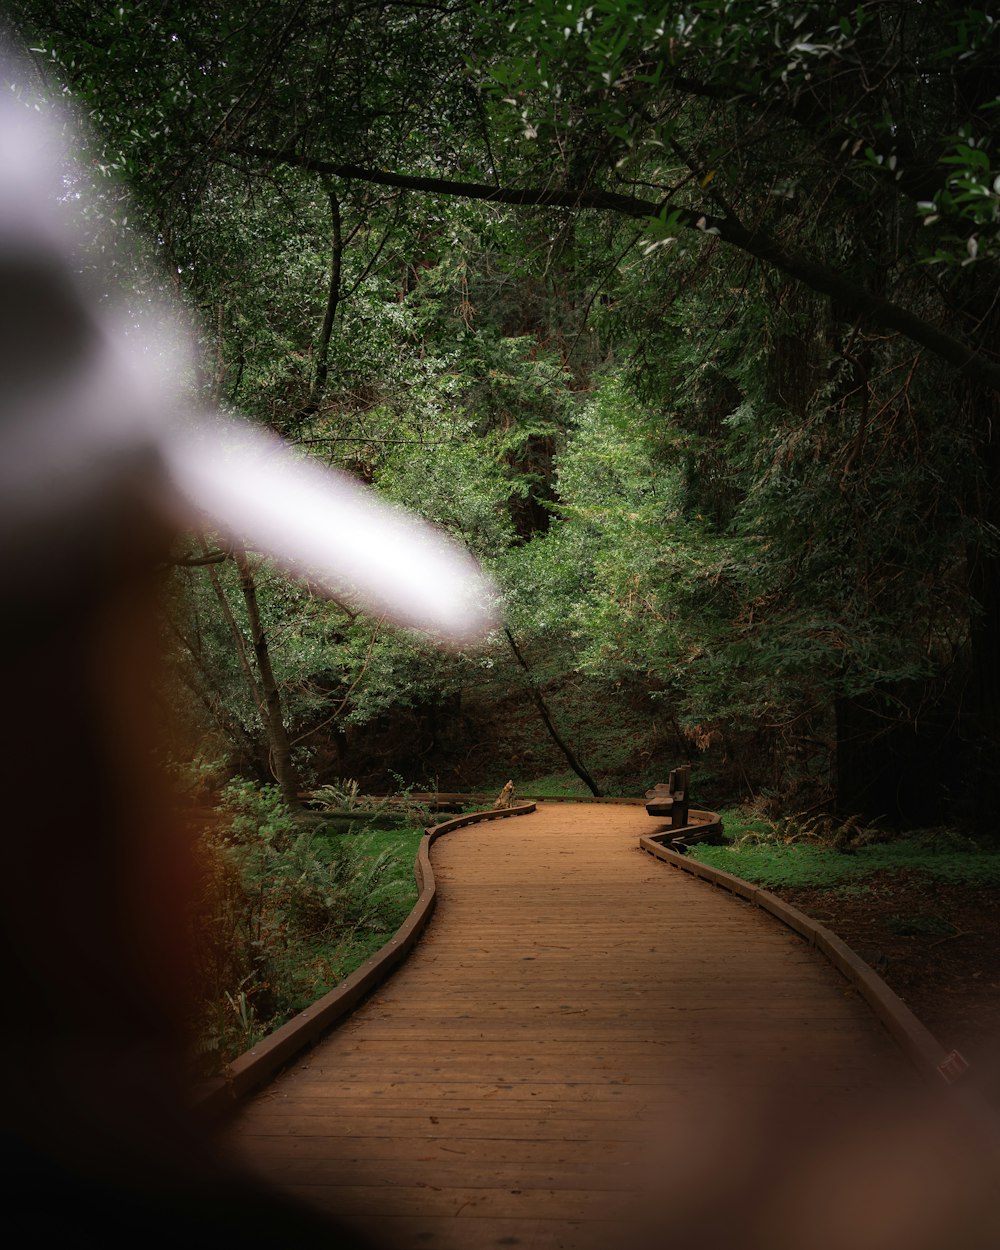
point(582, 1039)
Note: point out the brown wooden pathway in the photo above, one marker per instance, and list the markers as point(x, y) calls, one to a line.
point(572, 1016)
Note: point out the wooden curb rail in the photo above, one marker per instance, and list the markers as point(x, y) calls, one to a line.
point(916, 1041)
point(257, 1065)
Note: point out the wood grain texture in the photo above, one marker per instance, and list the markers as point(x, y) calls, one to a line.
point(573, 1011)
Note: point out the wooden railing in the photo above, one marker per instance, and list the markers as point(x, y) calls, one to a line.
point(924, 1051)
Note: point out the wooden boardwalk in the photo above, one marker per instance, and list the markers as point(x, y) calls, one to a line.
point(574, 1019)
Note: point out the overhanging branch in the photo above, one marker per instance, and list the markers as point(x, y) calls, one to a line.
point(853, 297)
point(527, 197)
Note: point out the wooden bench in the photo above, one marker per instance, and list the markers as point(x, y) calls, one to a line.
point(671, 799)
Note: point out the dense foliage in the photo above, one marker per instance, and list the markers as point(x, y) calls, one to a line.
point(682, 319)
point(285, 911)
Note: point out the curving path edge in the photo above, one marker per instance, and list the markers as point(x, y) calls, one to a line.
point(258, 1065)
point(573, 1022)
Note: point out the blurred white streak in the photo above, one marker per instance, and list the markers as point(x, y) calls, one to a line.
point(93, 407)
point(325, 526)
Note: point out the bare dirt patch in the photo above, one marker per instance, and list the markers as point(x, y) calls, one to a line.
point(936, 944)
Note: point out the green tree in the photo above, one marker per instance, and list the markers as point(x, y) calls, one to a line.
point(783, 218)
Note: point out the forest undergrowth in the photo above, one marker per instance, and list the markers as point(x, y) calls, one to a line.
point(288, 905)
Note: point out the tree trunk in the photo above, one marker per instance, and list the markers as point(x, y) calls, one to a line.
point(865, 784)
point(979, 723)
point(263, 752)
point(207, 693)
point(281, 751)
point(899, 757)
point(543, 711)
point(981, 707)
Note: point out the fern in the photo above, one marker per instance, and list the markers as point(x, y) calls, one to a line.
point(285, 913)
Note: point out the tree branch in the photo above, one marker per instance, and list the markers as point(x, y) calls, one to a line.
point(197, 562)
point(525, 197)
point(856, 299)
point(543, 711)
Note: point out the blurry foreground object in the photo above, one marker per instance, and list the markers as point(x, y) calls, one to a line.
point(100, 466)
point(767, 1161)
point(94, 418)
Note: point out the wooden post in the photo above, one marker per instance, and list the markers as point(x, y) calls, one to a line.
point(679, 792)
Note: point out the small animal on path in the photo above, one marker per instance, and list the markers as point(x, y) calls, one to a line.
point(506, 797)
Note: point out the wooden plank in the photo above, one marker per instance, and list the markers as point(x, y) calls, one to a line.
point(413, 1126)
point(469, 1233)
point(578, 1151)
point(443, 1171)
point(352, 1201)
point(383, 1052)
point(644, 1069)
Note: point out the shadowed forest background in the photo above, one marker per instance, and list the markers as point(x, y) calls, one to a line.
point(684, 321)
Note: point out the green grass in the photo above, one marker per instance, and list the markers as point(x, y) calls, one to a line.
point(772, 863)
point(550, 784)
point(403, 842)
point(559, 785)
point(553, 784)
point(286, 918)
point(351, 951)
